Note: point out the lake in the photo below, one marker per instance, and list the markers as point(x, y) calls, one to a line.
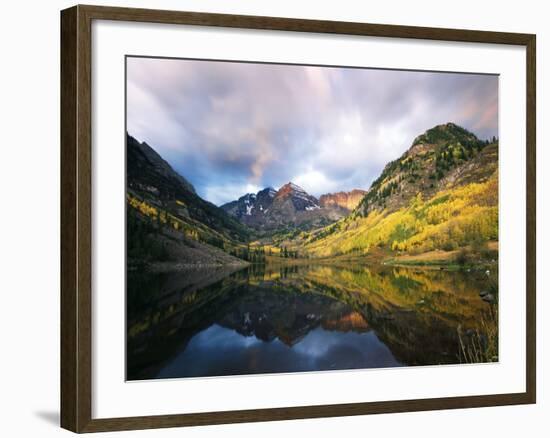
point(275, 319)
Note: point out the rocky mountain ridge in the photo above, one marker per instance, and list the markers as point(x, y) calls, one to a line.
point(291, 205)
point(346, 200)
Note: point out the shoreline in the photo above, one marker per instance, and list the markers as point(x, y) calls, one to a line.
point(162, 267)
point(431, 260)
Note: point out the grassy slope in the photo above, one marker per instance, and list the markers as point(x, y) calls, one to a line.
point(440, 257)
point(452, 218)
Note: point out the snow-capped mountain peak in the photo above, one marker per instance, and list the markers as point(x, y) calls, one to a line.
point(272, 209)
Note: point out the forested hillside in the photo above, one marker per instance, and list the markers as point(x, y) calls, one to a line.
point(442, 194)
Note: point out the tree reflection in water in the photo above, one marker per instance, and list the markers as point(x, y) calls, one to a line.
point(270, 319)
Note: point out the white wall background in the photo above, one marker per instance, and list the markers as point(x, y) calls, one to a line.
point(29, 215)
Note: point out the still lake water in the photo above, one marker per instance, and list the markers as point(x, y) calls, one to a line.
point(273, 319)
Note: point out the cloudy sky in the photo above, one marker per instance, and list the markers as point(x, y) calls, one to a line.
point(233, 128)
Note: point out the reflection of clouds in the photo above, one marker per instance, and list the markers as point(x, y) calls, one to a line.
point(221, 351)
point(318, 343)
point(219, 337)
point(235, 124)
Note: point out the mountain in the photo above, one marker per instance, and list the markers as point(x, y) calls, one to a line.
point(346, 200)
point(440, 195)
point(146, 165)
point(167, 220)
point(252, 206)
point(429, 165)
point(290, 193)
point(289, 207)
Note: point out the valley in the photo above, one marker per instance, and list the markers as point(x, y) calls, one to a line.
point(435, 205)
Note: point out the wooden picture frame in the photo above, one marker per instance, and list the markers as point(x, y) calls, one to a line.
point(76, 217)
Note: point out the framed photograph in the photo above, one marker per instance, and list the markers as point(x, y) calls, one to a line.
point(269, 218)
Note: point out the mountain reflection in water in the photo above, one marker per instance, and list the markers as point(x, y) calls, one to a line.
point(270, 319)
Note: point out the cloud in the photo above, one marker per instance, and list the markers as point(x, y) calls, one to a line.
point(229, 126)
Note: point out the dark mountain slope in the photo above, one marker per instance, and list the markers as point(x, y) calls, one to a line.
point(168, 225)
point(251, 208)
point(151, 178)
point(144, 163)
